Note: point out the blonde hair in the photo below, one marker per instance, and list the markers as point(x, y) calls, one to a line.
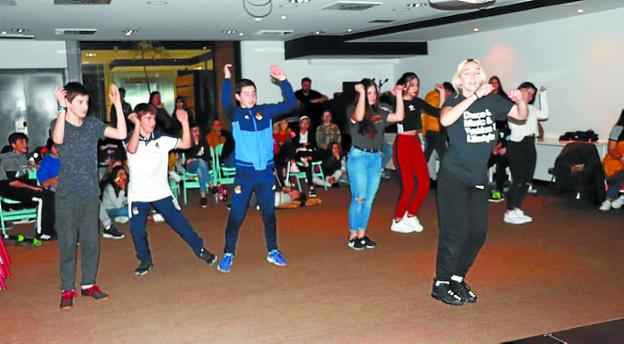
point(457, 81)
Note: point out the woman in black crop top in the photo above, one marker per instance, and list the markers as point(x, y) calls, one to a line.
point(409, 157)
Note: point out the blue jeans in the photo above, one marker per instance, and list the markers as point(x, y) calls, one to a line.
point(169, 209)
point(200, 167)
point(614, 189)
point(364, 171)
point(262, 182)
point(119, 212)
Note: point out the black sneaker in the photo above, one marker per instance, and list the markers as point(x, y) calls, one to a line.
point(312, 192)
point(214, 190)
point(203, 202)
point(143, 268)
point(67, 299)
point(95, 292)
point(368, 243)
point(207, 256)
point(444, 293)
point(463, 290)
point(356, 244)
point(112, 233)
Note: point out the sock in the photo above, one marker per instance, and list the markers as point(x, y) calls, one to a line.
point(85, 287)
point(457, 278)
point(439, 283)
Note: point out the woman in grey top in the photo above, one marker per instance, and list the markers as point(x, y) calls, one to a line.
point(366, 127)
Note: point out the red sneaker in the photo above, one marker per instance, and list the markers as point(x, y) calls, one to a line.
point(94, 292)
point(67, 299)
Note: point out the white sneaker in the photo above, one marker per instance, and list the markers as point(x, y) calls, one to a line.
point(122, 219)
point(606, 205)
point(403, 226)
point(512, 217)
point(174, 176)
point(414, 223)
point(523, 216)
point(618, 203)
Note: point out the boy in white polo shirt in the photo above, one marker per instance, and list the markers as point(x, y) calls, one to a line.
point(148, 155)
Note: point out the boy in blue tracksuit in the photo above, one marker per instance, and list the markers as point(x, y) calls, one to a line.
point(252, 128)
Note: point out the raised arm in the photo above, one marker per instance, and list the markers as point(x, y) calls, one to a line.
point(120, 131)
point(520, 111)
point(450, 114)
point(290, 101)
point(358, 112)
point(133, 143)
point(544, 111)
point(58, 132)
point(399, 110)
point(226, 91)
point(185, 140)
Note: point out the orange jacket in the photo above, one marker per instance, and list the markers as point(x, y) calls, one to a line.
point(429, 122)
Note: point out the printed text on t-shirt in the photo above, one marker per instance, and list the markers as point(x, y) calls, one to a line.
point(479, 127)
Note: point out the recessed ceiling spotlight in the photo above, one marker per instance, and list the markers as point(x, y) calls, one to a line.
point(416, 4)
point(476, 29)
point(319, 32)
point(130, 31)
point(241, 34)
point(20, 30)
point(157, 3)
point(299, 1)
point(91, 54)
point(283, 17)
point(229, 31)
point(258, 19)
point(349, 30)
point(205, 48)
point(580, 10)
point(3, 32)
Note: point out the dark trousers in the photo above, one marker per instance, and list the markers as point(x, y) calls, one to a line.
point(170, 211)
point(434, 141)
point(522, 157)
point(463, 217)
point(247, 181)
point(500, 176)
point(77, 219)
point(26, 195)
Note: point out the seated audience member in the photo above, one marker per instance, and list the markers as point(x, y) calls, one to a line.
point(114, 196)
point(334, 167)
point(217, 136)
point(49, 167)
point(613, 165)
point(326, 133)
point(16, 185)
point(197, 160)
point(282, 148)
point(304, 144)
point(289, 198)
point(109, 151)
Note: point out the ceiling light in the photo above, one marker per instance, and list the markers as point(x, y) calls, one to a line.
point(416, 4)
point(283, 17)
point(299, 1)
point(241, 34)
point(349, 30)
point(229, 31)
point(157, 3)
point(91, 54)
point(476, 29)
point(258, 19)
point(580, 10)
point(130, 31)
point(3, 33)
point(319, 32)
point(19, 30)
point(205, 48)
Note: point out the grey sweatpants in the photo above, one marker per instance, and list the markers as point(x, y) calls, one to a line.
point(77, 219)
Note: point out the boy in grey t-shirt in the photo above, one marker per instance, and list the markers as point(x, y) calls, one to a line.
point(77, 195)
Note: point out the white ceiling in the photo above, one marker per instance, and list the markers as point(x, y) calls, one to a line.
point(208, 19)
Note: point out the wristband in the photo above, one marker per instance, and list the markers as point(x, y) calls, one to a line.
point(60, 107)
point(476, 95)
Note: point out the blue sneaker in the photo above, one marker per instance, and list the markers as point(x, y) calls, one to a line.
point(226, 263)
point(276, 258)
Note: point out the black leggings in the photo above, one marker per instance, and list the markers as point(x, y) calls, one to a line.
point(522, 157)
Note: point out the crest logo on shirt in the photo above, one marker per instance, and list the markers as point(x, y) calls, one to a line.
point(247, 117)
point(156, 145)
point(411, 107)
point(259, 116)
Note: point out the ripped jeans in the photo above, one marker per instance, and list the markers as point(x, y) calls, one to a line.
point(364, 169)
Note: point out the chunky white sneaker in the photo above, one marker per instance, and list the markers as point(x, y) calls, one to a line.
point(403, 226)
point(413, 222)
point(606, 205)
point(618, 203)
point(512, 217)
point(523, 216)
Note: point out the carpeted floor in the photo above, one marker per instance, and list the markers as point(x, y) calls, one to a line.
point(562, 271)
